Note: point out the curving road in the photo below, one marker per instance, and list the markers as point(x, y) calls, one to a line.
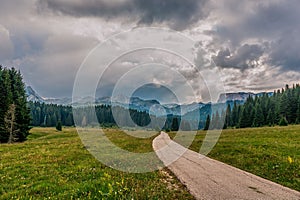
point(209, 179)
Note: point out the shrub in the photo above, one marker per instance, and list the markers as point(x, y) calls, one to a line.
point(283, 122)
point(59, 126)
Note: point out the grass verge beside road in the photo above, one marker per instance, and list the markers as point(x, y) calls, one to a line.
point(56, 165)
point(270, 152)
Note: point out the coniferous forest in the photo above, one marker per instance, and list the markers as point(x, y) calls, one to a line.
point(14, 114)
point(280, 108)
point(49, 115)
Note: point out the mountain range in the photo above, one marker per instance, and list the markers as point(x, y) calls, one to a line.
point(151, 106)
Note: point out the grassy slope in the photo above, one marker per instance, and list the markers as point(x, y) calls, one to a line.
point(261, 151)
point(55, 164)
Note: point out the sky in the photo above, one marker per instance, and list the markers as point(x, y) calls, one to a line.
point(253, 44)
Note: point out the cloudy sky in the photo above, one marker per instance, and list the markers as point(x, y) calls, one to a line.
point(255, 45)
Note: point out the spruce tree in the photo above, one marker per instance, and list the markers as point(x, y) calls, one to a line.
point(283, 122)
point(59, 126)
point(207, 123)
point(259, 117)
point(235, 114)
point(175, 124)
point(13, 103)
point(228, 119)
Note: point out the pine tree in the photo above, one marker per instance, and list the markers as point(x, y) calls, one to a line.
point(175, 124)
point(283, 105)
point(19, 99)
point(271, 117)
point(14, 114)
point(298, 111)
point(217, 121)
point(259, 117)
point(228, 119)
point(244, 118)
point(207, 123)
point(283, 122)
point(235, 115)
point(59, 126)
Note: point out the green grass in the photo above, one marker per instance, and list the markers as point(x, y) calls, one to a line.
point(261, 151)
point(55, 165)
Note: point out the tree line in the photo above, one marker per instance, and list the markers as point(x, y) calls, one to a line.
point(48, 115)
point(280, 108)
point(51, 115)
point(14, 113)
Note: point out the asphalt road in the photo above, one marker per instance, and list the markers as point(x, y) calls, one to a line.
point(209, 179)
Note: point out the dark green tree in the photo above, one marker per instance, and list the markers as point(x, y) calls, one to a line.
point(59, 126)
point(228, 118)
point(207, 123)
point(258, 117)
point(175, 124)
point(283, 122)
point(13, 98)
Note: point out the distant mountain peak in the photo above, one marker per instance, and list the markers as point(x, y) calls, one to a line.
point(32, 95)
point(239, 96)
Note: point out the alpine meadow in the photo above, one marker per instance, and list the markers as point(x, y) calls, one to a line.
point(149, 99)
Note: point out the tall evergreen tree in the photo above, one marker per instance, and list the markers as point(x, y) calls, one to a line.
point(258, 117)
point(13, 103)
point(235, 115)
point(175, 124)
point(207, 123)
point(59, 126)
point(228, 118)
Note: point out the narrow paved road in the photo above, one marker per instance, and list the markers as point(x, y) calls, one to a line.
point(209, 179)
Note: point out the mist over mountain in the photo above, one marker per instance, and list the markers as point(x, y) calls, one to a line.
point(240, 96)
point(151, 106)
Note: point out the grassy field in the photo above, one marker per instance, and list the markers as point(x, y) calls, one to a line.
point(55, 165)
point(269, 152)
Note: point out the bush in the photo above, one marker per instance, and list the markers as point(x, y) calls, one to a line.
point(59, 126)
point(283, 122)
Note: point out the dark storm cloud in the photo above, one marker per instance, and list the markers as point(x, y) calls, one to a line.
point(258, 20)
point(48, 39)
point(286, 52)
point(177, 14)
point(79, 8)
point(245, 57)
point(273, 22)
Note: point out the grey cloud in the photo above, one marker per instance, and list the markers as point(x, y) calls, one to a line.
point(177, 14)
point(262, 20)
point(286, 52)
point(79, 8)
point(273, 22)
point(245, 57)
point(53, 71)
point(28, 40)
point(6, 47)
point(41, 42)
